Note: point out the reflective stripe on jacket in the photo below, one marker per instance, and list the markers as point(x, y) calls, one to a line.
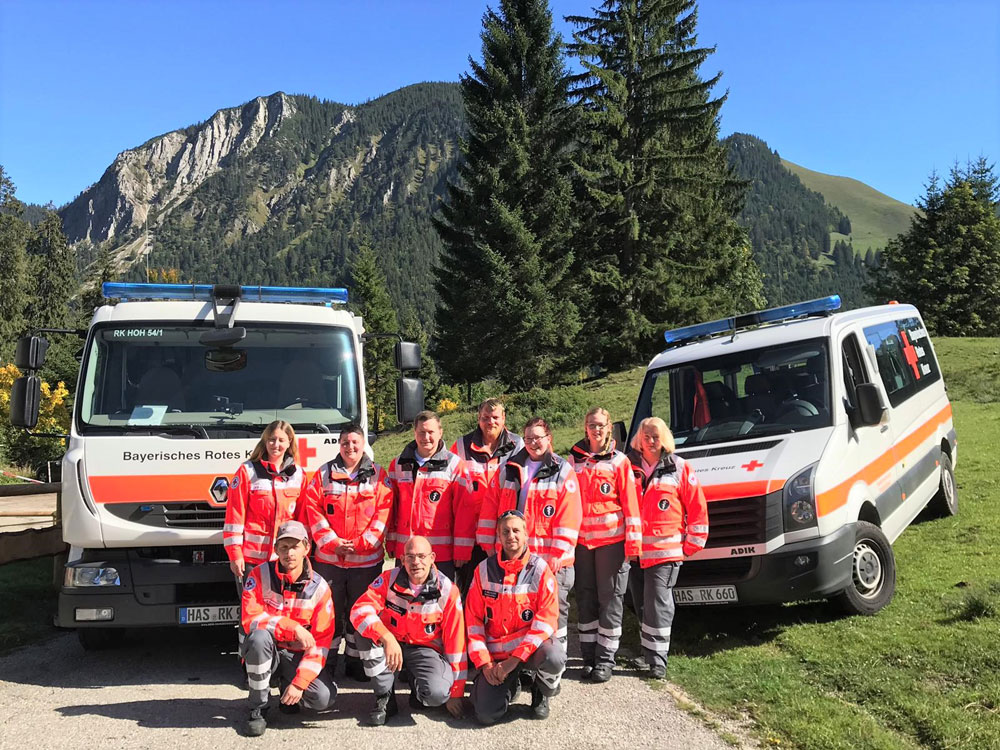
point(427, 501)
point(431, 618)
point(511, 609)
point(610, 502)
point(273, 602)
point(260, 499)
point(673, 510)
point(339, 509)
point(550, 504)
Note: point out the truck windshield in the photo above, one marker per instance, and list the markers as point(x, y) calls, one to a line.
point(160, 379)
point(743, 395)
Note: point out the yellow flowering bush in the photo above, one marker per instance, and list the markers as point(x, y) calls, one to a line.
point(18, 447)
point(446, 405)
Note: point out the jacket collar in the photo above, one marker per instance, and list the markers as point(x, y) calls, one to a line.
point(506, 443)
point(516, 564)
point(430, 591)
point(666, 464)
point(582, 451)
point(437, 461)
point(271, 471)
point(365, 468)
point(550, 463)
point(286, 580)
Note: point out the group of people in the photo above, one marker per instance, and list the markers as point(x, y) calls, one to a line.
point(489, 537)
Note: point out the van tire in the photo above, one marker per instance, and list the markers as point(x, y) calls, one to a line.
point(873, 572)
point(96, 639)
point(945, 502)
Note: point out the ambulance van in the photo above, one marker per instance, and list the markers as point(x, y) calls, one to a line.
point(177, 382)
point(818, 437)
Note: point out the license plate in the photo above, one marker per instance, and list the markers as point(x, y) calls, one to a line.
point(208, 615)
point(706, 595)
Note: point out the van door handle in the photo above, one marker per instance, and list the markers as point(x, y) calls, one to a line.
point(883, 428)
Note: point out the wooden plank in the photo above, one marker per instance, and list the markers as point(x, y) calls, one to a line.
point(31, 543)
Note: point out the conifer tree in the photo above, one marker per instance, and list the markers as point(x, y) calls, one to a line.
point(413, 330)
point(14, 283)
point(506, 306)
point(660, 245)
point(101, 270)
point(55, 277)
point(370, 299)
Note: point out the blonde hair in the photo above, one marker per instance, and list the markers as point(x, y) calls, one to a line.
point(657, 425)
point(608, 433)
point(260, 450)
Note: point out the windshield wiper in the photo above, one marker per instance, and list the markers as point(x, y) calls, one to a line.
point(314, 426)
point(180, 430)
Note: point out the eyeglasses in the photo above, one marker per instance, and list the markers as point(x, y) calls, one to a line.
point(409, 557)
point(597, 426)
point(535, 439)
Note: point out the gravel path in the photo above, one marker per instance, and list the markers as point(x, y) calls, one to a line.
point(177, 689)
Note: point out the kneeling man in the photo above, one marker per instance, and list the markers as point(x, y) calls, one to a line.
point(288, 619)
point(512, 611)
point(412, 616)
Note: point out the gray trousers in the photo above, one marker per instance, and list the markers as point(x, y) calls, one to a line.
point(431, 676)
point(491, 702)
point(346, 586)
point(565, 578)
point(657, 611)
point(601, 578)
point(264, 658)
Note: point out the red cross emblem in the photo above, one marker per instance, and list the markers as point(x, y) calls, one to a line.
point(305, 453)
point(752, 466)
point(910, 354)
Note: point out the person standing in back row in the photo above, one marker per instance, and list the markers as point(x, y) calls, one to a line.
point(485, 450)
point(610, 535)
point(674, 526)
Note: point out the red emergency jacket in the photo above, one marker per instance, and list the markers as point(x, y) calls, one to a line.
point(511, 609)
point(274, 602)
point(610, 502)
point(550, 503)
point(673, 510)
point(481, 469)
point(336, 508)
point(427, 501)
point(432, 618)
point(261, 497)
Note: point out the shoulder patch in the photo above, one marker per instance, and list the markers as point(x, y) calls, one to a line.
point(386, 481)
point(692, 478)
point(551, 584)
point(376, 583)
point(250, 583)
point(571, 485)
point(236, 482)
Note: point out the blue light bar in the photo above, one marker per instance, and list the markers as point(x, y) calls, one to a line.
point(786, 312)
point(205, 293)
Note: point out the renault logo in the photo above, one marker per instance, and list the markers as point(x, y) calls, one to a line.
point(220, 489)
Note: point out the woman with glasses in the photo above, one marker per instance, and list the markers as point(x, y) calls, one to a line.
point(610, 536)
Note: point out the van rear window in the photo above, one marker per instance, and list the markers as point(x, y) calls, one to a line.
point(905, 360)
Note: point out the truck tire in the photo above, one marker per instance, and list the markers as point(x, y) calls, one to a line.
point(945, 502)
point(97, 639)
point(873, 572)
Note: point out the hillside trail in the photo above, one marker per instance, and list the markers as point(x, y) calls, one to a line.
point(178, 688)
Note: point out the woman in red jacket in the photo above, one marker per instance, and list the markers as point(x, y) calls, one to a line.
point(263, 494)
point(674, 526)
point(609, 535)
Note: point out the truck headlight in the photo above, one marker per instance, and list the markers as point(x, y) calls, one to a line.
point(91, 576)
point(800, 500)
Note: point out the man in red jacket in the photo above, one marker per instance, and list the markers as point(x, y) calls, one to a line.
point(512, 612)
point(287, 614)
point(412, 616)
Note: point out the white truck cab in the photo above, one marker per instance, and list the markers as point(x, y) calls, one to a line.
point(177, 382)
point(818, 437)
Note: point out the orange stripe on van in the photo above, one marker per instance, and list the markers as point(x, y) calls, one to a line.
point(836, 497)
point(732, 490)
point(153, 488)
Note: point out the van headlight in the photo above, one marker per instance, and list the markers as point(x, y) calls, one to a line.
point(800, 500)
point(91, 576)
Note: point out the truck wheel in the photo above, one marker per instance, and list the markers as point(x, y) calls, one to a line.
point(873, 572)
point(96, 639)
point(945, 502)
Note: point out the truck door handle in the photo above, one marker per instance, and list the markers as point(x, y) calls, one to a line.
point(883, 428)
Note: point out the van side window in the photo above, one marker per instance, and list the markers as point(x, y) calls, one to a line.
point(905, 360)
point(854, 373)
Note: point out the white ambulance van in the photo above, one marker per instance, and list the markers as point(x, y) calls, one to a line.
point(177, 382)
point(818, 437)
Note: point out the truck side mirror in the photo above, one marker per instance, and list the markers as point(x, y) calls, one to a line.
point(618, 433)
point(25, 398)
point(409, 399)
point(30, 352)
point(870, 404)
point(407, 356)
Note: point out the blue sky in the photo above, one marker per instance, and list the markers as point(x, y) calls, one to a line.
point(880, 90)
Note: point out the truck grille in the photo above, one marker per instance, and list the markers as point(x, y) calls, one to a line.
point(714, 572)
point(194, 516)
point(737, 522)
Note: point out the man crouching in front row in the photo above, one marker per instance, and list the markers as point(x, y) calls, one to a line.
point(412, 617)
point(288, 619)
point(512, 610)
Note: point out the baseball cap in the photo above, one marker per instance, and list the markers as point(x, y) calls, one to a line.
point(292, 530)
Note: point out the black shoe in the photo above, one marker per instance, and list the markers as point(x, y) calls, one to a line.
point(539, 704)
point(385, 708)
point(256, 724)
point(415, 704)
point(588, 671)
point(514, 691)
point(356, 671)
point(657, 672)
point(285, 708)
point(601, 673)
point(526, 679)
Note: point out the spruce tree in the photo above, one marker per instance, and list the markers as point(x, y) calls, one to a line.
point(660, 245)
point(14, 282)
point(102, 269)
point(413, 330)
point(506, 306)
point(55, 278)
point(370, 299)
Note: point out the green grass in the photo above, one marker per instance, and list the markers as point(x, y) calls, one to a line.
point(29, 601)
point(875, 217)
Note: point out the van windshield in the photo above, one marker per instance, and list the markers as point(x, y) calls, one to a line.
point(160, 379)
point(743, 395)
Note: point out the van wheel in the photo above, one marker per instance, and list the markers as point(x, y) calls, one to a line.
point(945, 502)
point(96, 639)
point(873, 572)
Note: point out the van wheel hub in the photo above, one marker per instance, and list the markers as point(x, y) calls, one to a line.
point(867, 569)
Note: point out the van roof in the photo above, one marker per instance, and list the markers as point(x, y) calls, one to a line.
point(176, 311)
point(778, 333)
